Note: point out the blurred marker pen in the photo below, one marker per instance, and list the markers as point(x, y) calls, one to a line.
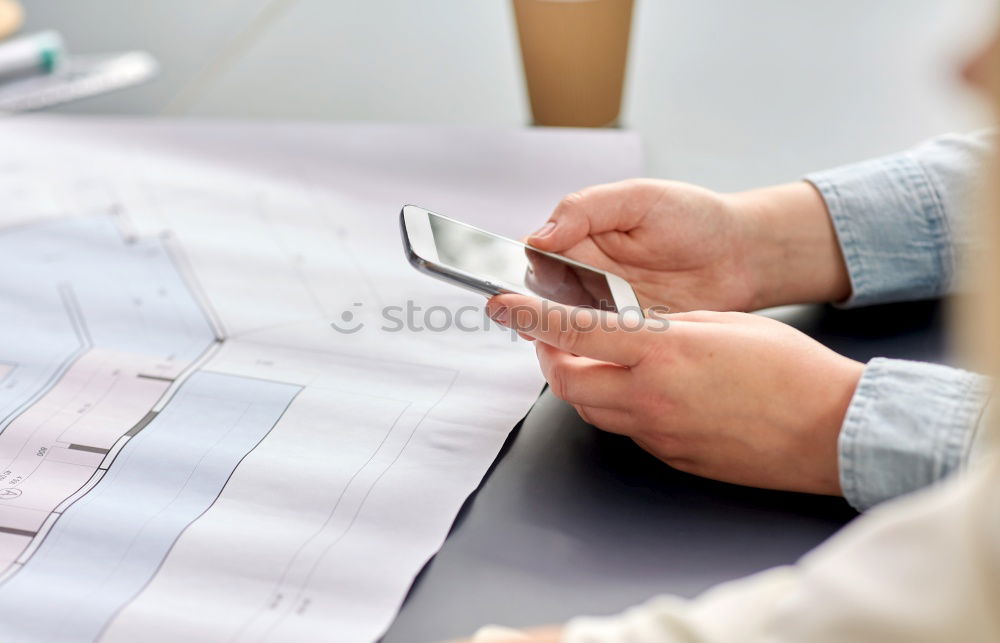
point(37, 53)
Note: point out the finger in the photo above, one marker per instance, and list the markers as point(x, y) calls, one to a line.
point(592, 333)
point(616, 421)
point(594, 210)
point(581, 380)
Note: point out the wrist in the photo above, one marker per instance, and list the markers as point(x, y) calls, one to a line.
point(790, 249)
point(841, 386)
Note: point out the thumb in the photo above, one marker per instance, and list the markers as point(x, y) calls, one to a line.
point(594, 210)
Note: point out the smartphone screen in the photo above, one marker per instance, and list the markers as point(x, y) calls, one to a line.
point(519, 268)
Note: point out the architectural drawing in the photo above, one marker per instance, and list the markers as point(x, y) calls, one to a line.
point(188, 449)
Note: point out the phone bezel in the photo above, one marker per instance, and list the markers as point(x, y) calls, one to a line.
point(421, 251)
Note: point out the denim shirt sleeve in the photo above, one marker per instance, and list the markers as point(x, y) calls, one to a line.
point(908, 425)
point(900, 218)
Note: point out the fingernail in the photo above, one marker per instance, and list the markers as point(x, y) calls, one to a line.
point(500, 314)
point(545, 230)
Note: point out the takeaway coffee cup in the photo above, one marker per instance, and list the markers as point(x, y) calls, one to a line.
point(574, 54)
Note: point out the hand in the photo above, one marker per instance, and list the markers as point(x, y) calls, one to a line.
point(689, 248)
point(730, 396)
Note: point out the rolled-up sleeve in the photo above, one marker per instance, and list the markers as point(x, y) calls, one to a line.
point(900, 219)
point(908, 425)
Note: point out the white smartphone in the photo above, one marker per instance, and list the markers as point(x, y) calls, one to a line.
point(490, 264)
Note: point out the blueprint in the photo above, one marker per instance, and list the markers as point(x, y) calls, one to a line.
point(229, 409)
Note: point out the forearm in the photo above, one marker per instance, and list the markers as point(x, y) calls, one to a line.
point(888, 229)
point(792, 247)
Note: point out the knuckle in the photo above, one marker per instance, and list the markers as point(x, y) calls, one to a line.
point(523, 318)
point(657, 350)
point(572, 340)
point(645, 192)
point(641, 424)
point(559, 381)
point(544, 363)
point(666, 446)
point(569, 204)
point(634, 183)
point(579, 324)
point(571, 200)
point(619, 423)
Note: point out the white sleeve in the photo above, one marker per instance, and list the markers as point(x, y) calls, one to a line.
point(925, 567)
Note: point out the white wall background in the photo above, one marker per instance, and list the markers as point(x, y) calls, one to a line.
point(728, 93)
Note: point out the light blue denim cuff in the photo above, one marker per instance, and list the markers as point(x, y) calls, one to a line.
point(909, 424)
point(893, 229)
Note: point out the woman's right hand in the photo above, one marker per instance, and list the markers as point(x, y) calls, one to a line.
point(729, 396)
point(689, 248)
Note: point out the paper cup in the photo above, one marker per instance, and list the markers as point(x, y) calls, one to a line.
point(574, 54)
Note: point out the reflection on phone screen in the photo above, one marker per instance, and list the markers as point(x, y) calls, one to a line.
point(518, 268)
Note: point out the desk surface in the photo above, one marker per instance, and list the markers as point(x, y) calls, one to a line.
point(572, 520)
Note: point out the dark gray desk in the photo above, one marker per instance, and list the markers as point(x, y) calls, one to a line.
point(572, 520)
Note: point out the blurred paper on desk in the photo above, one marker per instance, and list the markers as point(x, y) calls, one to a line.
point(80, 76)
point(211, 429)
